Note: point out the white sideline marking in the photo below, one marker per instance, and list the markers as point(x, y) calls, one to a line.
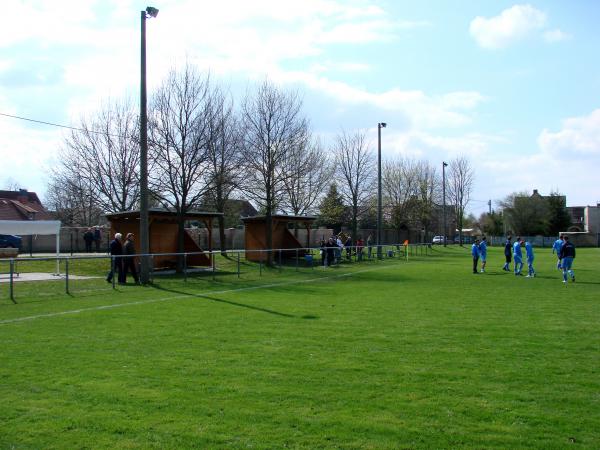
point(164, 299)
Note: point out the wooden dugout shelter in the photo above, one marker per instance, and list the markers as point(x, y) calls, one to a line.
point(255, 235)
point(162, 234)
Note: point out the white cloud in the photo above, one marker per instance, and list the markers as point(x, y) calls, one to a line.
point(556, 35)
point(579, 137)
point(24, 154)
point(436, 146)
point(420, 109)
point(512, 25)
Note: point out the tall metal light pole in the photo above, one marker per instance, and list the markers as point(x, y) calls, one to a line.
point(444, 164)
point(379, 200)
point(144, 231)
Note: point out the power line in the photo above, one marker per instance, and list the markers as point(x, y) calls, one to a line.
point(60, 126)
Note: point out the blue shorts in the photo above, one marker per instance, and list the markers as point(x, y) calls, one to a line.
point(483, 257)
point(567, 263)
point(518, 259)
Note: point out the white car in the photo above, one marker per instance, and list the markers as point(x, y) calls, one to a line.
point(438, 240)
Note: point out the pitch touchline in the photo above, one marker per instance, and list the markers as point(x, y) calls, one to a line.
point(164, 299)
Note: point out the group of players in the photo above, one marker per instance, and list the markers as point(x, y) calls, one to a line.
point(564, 249)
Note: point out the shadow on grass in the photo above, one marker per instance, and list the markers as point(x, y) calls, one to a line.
point(228, 302)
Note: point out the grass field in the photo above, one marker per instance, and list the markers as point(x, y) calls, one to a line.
point(394, 354)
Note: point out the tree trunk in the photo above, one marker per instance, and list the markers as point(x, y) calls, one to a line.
point(354, 222)
point(222, 235)
point(269, 235)
point(180, 241)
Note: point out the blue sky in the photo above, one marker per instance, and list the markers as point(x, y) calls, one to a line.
point(513, 86)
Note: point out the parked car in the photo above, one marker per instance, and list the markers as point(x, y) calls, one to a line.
point(10, 241)
point(438, 240)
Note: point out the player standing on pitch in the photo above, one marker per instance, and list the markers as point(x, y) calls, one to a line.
point(567, 255)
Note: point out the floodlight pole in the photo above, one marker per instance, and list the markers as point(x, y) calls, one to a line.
point(444, 164)
point(379, 199)
point(144, 229)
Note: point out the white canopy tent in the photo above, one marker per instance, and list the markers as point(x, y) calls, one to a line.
point(33, 227)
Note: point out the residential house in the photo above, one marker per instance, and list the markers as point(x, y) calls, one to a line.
point(22, 205)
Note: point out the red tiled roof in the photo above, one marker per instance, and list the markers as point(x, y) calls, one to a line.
point(22, 205)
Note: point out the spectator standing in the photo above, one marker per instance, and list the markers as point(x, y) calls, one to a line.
point(359, 248)
point(116, 251)
point(88, 238)
point(507, 253)
point(556, 247)
point(518, 256)
point(369, 246)
point(530, 258)
point(97, 238)
point(348, 245)
point(567, 255)
point(483, 253)
point(331, 247)
point(475, 254)
point(323, 246)
point(129, 259)
point(339, 249)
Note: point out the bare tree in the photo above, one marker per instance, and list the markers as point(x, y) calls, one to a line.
point(427, 194)
point(399, 182)
point(10, 184)
point(223, 155)
point(461, 178)
point(354, 164)
point(178, 127)
point(273, 127)
point(309, 174)
point(103, 154)
point(72, 200)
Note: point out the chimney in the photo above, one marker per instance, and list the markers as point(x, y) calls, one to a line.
point(23, 196)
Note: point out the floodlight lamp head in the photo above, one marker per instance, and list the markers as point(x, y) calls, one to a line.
point(445, 163)
point(151, 11)
point(383, 125)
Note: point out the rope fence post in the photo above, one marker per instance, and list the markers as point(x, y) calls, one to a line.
point(151, 268)
point(67, 276)
point(113, 267)
point(213, 265)
point(11, 282)
point(185, 267)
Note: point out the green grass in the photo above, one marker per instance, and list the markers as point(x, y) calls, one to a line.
point(417, 354)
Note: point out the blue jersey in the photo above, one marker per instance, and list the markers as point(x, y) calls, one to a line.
point(475, 250)
point(557, 246)
point(483, 249)
point(517, 250)
point(529, 251)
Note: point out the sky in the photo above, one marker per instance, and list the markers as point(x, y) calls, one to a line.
point(515, 87)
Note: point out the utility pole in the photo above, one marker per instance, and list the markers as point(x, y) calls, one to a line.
point(379, 197)
point(144, 228)
point(444, 164)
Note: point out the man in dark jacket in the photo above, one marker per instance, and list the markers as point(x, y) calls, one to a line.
point(116, 250)
point(129, 259)
point(567, 255)
point(88, 238)
point(97, 239)
point(507, 253)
